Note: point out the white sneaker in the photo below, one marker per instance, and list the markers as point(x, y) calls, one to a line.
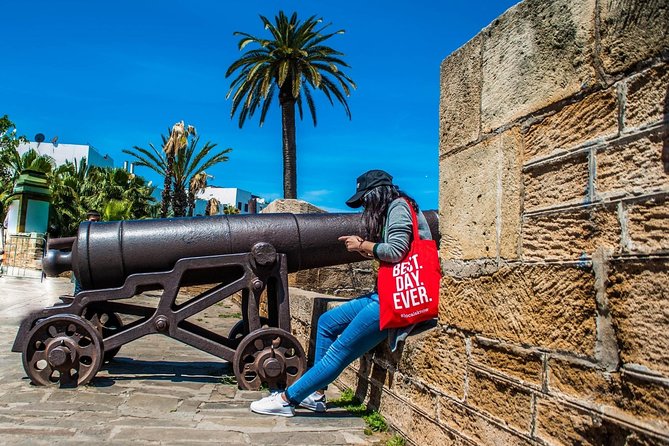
point(315, 401)
point(273, 405)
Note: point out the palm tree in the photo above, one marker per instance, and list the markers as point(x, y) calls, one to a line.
point(212, 207)
point(188, 162)
point(175, 143)
point(293, 61)
point(198, 183)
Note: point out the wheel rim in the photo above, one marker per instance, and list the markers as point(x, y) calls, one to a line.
point(268, 356)
point(62, 350)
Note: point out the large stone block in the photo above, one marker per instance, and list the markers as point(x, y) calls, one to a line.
point(504, 401)
point(438, 359)
point(582, 381)
point(646, 399)
point(561, 182)
point(516, 363)
point(646, 99)
point(425, 431)
point(631, 31)
point(415, 425)
point(551, 306)
point(572, 234)
point(632, 166)
point(536, 54)
point(593, 117)
point(480, 199)
point(477, 427)
point(638, 295)
point(420, 395)
point(647, 226)
point(460, 97)
point(349, 280)
point(559, 423)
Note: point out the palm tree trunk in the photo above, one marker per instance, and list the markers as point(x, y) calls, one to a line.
point(191, 201)
point(179, 201)
point(289, 145)
point(167, 188)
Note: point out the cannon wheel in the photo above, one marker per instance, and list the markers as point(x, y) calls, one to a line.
point(237, 331)
point(106, 323)
point(63, 350)
point(271, 356)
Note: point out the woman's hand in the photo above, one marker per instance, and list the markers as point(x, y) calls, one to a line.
point(355, 243)
point(352, 242)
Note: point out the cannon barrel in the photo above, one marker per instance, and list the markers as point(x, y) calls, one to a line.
point(104, 254)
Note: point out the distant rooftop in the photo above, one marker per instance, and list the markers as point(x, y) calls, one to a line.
point(68, 152)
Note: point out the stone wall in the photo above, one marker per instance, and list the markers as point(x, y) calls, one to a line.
point(554, 189)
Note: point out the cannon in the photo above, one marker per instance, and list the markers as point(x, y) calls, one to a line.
point(67, 343)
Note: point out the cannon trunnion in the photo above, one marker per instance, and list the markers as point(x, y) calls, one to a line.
point(67, 343)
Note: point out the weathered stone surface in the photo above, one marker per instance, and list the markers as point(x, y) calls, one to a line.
point(516, 363)
point(536, 54)
point(633, 166)
point(439, 358)
point(646, 98)
point(507, 402)
point(631, 31)
point(584, 382)
point(571, 234)
point(342, 280)
point(638, 295)
point(552, 306)
point(646, 399)
point(594, 117)
point(475, 426)
point(480, 199)
point(460, 97)
point(291, 206)
point(562, 182)
point(425, 431)
point(419, 394)
point(561, 424)
point(647, 226)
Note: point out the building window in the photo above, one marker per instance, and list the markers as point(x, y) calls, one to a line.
point(239, 205)
point(246, 207)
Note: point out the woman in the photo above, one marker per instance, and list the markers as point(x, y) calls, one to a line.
point(348, 331)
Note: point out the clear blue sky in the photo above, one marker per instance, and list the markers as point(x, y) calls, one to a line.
point(117, 74)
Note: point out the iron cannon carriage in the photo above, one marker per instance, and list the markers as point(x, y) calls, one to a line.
point(248, 255)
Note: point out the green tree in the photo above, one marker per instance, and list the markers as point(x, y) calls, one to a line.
point(78, 187)
point(188, 162)
point(292, 62)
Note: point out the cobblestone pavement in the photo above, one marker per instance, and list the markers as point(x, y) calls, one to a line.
point(156, 391)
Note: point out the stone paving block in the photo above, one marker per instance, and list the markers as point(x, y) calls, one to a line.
point(168, 434)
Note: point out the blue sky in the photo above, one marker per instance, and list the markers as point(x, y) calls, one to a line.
point(117, 74)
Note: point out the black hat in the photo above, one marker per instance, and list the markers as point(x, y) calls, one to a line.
point(366, 182)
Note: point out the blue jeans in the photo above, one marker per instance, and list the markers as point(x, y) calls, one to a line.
point(344, 334)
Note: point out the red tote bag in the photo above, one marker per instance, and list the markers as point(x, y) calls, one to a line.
point(409, 290)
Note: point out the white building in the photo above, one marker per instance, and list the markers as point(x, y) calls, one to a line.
point(68, 152)
point(243, 200)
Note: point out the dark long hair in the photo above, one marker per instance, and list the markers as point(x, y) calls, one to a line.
point(376, 202)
